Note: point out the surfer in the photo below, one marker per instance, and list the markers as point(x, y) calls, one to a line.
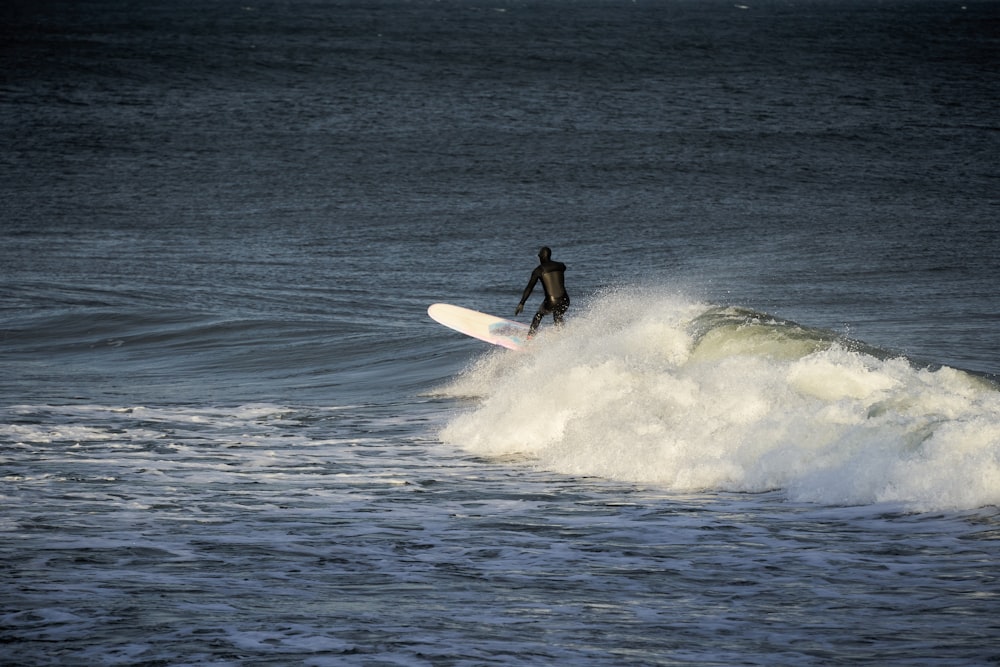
point(556, 299)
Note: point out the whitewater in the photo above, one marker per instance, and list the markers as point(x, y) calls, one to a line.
point(659, 390)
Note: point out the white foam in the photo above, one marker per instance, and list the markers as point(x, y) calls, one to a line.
point(626, 392)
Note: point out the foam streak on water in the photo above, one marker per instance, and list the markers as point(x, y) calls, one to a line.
point(269, 535)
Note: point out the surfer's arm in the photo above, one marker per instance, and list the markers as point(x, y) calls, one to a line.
point(535, 275)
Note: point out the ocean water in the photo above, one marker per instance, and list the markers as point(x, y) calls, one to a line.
point(768, 434)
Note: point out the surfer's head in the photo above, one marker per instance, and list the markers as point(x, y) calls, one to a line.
point(544, 253)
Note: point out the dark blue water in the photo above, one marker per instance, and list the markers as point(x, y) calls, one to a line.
point(769, 433)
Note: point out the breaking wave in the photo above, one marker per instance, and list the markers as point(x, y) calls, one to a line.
point(660, 390)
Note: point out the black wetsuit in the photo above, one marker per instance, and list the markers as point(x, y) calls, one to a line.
point(556, 299)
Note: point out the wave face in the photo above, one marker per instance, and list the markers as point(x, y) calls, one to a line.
point(656, 389)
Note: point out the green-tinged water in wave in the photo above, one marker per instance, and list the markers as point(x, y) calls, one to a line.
point(725, 331)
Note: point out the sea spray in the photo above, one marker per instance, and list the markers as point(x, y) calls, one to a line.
point(660, 390)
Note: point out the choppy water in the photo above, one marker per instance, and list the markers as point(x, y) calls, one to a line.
point(768, 434)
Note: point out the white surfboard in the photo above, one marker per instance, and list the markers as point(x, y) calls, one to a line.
point(496, 330)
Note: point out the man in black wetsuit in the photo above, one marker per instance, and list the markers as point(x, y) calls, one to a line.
point(556, 299)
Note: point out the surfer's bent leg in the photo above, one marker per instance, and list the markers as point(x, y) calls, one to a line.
point(543, 310)
point(535, 321)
